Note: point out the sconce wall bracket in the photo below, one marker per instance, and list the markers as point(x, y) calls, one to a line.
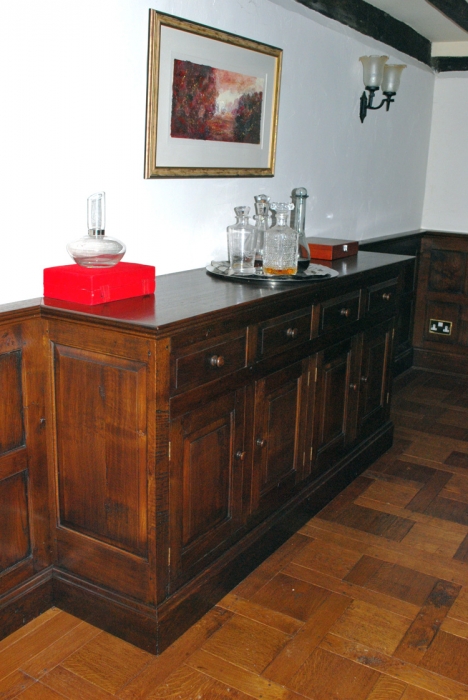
point(367, 102)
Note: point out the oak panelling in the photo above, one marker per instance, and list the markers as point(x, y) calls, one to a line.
point(24, 495)
point(447, 271)
point(13, 462)
point(101, 407)
point(15, 543)
point(125, 572)
point(11, 407)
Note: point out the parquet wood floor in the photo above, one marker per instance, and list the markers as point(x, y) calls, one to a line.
point(368, 601)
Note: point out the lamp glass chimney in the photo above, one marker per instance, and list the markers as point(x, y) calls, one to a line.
point(391, 77)
point(373, 67)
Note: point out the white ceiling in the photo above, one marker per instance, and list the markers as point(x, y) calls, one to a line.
point(428, 21)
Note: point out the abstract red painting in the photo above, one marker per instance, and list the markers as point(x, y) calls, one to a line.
point(215, 105)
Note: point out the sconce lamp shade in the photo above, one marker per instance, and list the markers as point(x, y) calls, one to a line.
point(373, 70)
point(391, 77)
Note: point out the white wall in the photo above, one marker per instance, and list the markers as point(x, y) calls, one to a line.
point(446, 200)
point(73, 87)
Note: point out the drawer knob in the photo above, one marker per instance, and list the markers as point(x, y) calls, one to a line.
point(292, 332)
point(240, 455)
point(364, 380)
point(217, 361)
point(261, 442)
point(386, 296)
point(353, 387)
point(345, 312)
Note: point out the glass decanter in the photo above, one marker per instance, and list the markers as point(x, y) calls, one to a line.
point(280, 249)
point(299, 196)
point(241, 242)
point(96, 249)
point(262, 207)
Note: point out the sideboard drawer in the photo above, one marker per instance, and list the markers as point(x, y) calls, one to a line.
point(204, 362)
point(382, 296)
point(280, 333)
point(340, 311)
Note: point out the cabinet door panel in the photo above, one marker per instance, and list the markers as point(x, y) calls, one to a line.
point(101, 446)
point(335, 402)
point(11, 415)
point(207, 456)
point(14, 521)
point(375, 375)
point(280, 407)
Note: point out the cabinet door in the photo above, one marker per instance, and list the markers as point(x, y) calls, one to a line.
point(374, 396)
point(207, 458)
point(280, 418)
point(103, 436)
point(335, 403)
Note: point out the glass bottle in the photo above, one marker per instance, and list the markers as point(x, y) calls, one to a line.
point(96, 249)
point(280, 249)
point(241, 242)
point(299, 196)
point(262, 207)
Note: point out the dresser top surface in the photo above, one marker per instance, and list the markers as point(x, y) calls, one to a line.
point(184, 296)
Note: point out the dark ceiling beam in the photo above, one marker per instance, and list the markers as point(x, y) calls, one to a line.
point(371, 21)
point(456, 10)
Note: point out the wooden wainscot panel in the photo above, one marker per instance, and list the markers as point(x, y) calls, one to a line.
point(11, 411)
point(24, 495)
point(14, 521)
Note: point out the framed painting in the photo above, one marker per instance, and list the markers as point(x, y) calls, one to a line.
point(212, 102)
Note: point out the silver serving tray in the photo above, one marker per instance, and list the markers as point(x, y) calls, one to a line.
point(313, 273)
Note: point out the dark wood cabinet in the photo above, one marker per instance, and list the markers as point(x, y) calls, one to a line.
point(208, 456)
point(185, 434)
point(280, 413)
point(334, 409)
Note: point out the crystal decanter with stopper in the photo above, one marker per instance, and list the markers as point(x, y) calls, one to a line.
point(96, 249)
point(299, 196)
point(241, 242)
point(280, 249)
point(262, 207)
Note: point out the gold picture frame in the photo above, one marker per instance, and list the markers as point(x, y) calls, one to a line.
point(212, 102)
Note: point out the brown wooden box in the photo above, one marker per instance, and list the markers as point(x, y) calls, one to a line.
point(331, 248)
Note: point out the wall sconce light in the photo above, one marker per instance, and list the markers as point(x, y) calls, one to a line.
point(377, 73)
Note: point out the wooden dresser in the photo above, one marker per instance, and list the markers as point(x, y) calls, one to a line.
point(154, 450)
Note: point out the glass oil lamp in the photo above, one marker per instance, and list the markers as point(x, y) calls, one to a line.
point(96, 249)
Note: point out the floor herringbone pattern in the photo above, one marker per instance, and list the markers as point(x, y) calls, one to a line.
point(368, 601)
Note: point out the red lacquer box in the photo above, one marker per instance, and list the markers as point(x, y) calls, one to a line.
point(331, 248)
point(98, 285)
